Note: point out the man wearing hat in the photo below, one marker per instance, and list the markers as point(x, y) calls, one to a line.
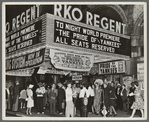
point(69, 101)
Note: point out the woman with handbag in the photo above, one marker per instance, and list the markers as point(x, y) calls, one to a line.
point(30, 101)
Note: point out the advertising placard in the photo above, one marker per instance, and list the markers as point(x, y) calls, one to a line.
point(77, 77)
point(140, 71)
point(25, 37)
point(25, 61)
point(112, 67)
point(71, 61)
point(83, 37)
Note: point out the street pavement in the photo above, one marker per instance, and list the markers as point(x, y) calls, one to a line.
point(22, 113)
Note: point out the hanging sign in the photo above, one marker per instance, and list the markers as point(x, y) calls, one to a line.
point(71, 61)
point(21, 72)
point(76, 77)
point(112, 67)
point(25, 61)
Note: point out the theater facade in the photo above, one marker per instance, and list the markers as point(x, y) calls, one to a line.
point(57, 43)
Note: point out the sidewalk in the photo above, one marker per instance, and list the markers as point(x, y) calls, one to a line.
point(22, 113)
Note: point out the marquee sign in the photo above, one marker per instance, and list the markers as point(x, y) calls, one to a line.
point(71, 61)
point(112, 67)
point(24, 38)
point(83, 37)
point(25, 61)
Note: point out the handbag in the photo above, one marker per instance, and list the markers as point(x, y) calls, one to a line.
point(26, 99)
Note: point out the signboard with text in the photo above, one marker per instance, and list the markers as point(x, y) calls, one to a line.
point(76, 77)
point(71, 61)
point(112, 67)
point(25, 37)
point(25, 61)
point(83, 37)
point(140, 71)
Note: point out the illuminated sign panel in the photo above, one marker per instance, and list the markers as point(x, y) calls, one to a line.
point(24, 38)
point(25, 61)
point(83, 37)
point(112, 67)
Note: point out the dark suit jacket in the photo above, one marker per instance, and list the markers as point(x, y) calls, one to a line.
point(52, 95)
point(124, 97)
point(61, 94)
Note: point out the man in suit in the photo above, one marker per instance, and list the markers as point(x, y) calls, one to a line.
point(52, 94)
point(60, 97)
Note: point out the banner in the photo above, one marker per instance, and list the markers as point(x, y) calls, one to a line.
point(112, 67)
point(52, 71)
point(22, 72)
point(71, 61)
point(25, 61)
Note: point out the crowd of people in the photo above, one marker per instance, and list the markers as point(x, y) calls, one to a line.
point(70, 98)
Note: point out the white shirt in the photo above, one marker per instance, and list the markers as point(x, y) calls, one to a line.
point(82, 93)
point(68, 92)
point(92, 92)
point(41, 91)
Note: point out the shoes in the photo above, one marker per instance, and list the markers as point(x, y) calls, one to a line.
point(38, 113)
point(110, 115)
point(61, 113)
point(30, 113)
point(27, 113)
point(115, 115)
point(42, 113)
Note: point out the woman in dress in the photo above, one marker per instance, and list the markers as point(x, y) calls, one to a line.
point(112, 99)
point(97, 98)
point(30, 101)
point(138, 103)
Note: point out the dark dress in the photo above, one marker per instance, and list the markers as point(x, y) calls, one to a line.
point(106, 97)
point(119, 99)
point(16, 98)
point(112, 96)
point(60, 98)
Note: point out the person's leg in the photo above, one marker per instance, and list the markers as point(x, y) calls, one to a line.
point(142, 113)
point(21, 104)
point(67, 109)
point(71, 109)
point(27, 110)
point(42, 105)
point(30, 111)
point(133, 112)
point(38, 104)
point(51, 112)
point(54, 107)
point(113, 109)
